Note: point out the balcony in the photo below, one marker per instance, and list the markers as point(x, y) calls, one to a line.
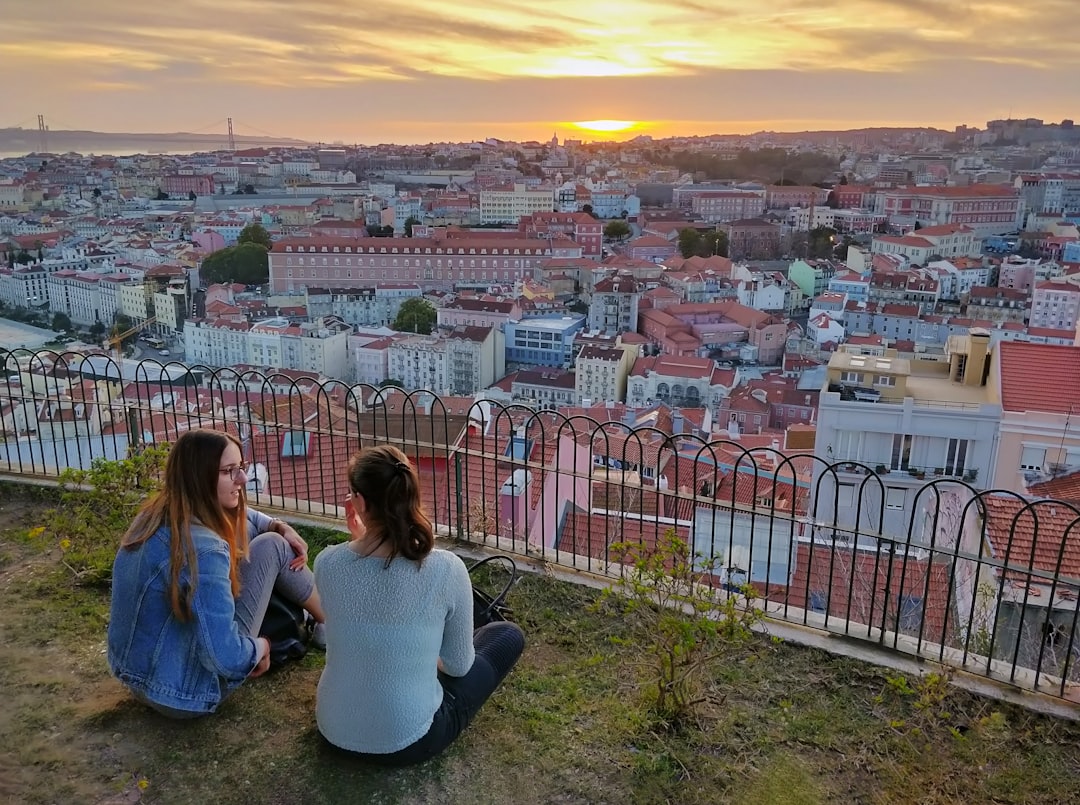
point(901, 598)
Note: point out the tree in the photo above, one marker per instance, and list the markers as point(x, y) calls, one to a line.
point(23, 257)
point(97, 192)
point(97, 329)
point(249, 190)
point(588, 210)
point(161, 195)
point(192, 195)
point(714, 242)
point(246, 263)
point(689, 241)
point(821, 242)
point(416, 315)
point(381, 231)
point(255, 233)
point(410, 222)
point(616, 230)
point(61, 321)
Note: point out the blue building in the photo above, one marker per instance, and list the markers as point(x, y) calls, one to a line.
point(543, 340)
point(1071, 254)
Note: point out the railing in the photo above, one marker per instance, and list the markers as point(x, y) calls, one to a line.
point(985, 581)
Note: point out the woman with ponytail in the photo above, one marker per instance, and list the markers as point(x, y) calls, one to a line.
point(193, 578)
point(405, 672)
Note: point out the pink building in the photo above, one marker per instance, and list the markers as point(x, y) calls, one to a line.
point(985, 208)
point(652, 248)
point(1055, 303)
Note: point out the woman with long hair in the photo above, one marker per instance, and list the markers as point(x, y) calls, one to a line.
point(405, 672)
point(193, 578)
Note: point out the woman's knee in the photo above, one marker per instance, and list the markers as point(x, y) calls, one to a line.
point(269, 546)
point(502, 642)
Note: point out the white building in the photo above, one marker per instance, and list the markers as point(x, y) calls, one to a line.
point(508, 205)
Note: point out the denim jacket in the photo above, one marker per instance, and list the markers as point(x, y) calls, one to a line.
point(189, 666)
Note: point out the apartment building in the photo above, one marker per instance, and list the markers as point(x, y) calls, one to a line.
point(905, 422)
point(987, 209)
point(460, 362)
point(507, 205)
point(614, 305)
point(731, 205)
point(335, 263)
point(582, 228)
point(363, 307)
point(1038, 386)
point(1055, 303)
point(319, 346)
point(600, 373)
point(543, 388)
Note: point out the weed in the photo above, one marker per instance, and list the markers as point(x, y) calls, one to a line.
point(680, 623)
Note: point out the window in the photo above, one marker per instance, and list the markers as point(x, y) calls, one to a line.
point(1033, 458)
point(894, 497)
point(901, 451)
point(850, 377)
point(884, 380)
point(845, 495)
point(956, 456)
point(849, 445)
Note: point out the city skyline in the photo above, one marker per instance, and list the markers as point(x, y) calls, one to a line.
point(340, 71)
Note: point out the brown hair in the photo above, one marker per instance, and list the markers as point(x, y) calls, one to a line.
point(391, 489)
point(190, 492)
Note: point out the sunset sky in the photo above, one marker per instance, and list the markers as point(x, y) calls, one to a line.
point(365, 72)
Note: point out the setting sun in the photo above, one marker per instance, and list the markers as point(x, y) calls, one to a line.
point(606, 126)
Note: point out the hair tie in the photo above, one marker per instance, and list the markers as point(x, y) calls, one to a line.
point(401, 466)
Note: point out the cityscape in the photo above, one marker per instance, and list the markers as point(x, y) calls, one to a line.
point(799, 287)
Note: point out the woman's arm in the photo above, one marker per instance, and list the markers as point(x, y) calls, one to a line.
point(457, 654)
point(222, 648)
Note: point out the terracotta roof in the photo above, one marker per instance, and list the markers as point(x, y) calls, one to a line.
point(1065, 486)
point(1024, 369)
point(1039, 536)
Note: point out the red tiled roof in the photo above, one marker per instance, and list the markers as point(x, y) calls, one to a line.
point(1043, 536)
point(1024, 369)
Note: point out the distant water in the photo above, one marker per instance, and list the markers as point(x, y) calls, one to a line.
point(18, 143)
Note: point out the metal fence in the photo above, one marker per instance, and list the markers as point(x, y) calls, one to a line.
point(982, 580)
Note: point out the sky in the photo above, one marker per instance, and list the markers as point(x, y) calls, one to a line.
point(363, 72)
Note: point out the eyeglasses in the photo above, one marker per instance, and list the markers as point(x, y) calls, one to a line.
point(238, 472)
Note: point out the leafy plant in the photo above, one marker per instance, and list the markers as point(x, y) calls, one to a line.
point(97, 505)
point(680, 623)
point(927, 698)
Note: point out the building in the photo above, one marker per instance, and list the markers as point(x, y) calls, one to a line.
point(906, 422)
point(442, 264)
point(507, 205)
point(600, 372)
point(1038, 386)
point(362, 307)
point(728, 205)
point(1055, 303)
point(614, 305)
point(543, 388)
point(753, 239)
point(986, 209)
point(678, 381)
point(582, 228)
point(543, 340)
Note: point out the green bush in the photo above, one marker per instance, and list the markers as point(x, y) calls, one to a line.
point(679, 620)
point(97, 505)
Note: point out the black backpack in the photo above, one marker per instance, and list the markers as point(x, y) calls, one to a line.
point(285, 626)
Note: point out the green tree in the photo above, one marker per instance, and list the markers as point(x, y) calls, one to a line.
point(714, 242)
point(251, 264)
point(410, 222)
point(23, 257)
point(616, 230)
point(61, 321)
point(249, 190)
point(97, 192)
point(97, 329)
point(588, 210)
point(416, 315)
point(192, 195)
point(689, 241)
point(255, 233)
point(821, 242)
point(161, 195)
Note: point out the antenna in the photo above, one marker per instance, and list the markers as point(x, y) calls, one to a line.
point(232, 137)
point(43, 134)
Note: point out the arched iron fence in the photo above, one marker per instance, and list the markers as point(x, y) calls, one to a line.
point(979, 579)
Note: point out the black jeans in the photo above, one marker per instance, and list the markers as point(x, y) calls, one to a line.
point(498, 647)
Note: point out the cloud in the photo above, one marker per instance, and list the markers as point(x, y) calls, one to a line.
point(355, 67)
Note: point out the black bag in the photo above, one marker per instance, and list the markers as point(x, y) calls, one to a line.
point(489, 608)
point(285, 626)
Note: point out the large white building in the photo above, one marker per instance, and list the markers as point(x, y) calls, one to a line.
point(901, 424)
point(320, 346)
point(508, 205)
point(460, 362)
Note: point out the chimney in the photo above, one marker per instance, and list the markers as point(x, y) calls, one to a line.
point(676, 423)
point(975, 369)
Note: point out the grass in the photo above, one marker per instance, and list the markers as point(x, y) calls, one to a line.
point(783, 724)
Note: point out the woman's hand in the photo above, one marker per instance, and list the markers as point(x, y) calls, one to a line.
point(296, 542)
point(263, 665)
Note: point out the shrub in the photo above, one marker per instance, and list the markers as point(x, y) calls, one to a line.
point(97, 505)
point(682, 622)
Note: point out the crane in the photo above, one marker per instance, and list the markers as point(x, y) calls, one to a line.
point(114, 343)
